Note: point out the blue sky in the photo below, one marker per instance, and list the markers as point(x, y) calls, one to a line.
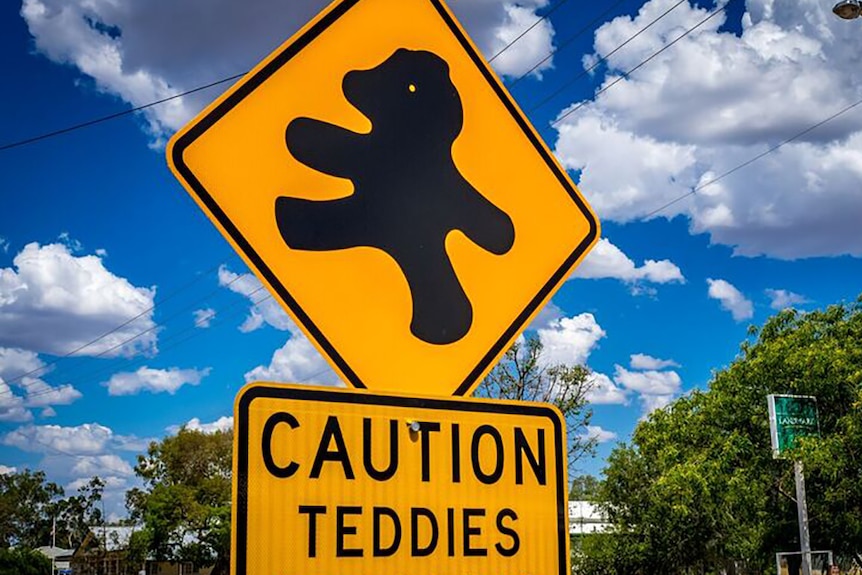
point(96, 231)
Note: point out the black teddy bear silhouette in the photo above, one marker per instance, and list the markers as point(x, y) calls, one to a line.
point(408, 194)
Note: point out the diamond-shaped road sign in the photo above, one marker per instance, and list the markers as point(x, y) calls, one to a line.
point(381, 182)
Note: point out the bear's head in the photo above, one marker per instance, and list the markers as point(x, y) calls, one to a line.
point(409, 93)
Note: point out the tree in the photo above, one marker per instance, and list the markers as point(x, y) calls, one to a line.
point(75, 515)
point(185, 503)
point(25, 500)
point(523, 375)
point(584, 488)
point(31, 506)
point(21, 561)
point(698, 487)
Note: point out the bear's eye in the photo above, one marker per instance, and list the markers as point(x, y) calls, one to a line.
point(412, 88)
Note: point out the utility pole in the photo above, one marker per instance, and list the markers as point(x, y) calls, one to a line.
point(53, 544)
point(802, 512)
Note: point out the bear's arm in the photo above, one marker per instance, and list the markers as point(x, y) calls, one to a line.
point(324, 147)
point(481, 221)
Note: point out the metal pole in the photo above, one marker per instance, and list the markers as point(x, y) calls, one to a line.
point(802, 512)
point(53, 545)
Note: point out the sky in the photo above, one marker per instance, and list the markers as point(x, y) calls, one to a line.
point(719, 144)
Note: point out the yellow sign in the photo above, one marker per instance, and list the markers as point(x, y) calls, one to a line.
point(382, 183)
point(354, 482)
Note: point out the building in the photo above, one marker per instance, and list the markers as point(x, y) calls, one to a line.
point(105, 551)
point(585, 517)
point(60, 557)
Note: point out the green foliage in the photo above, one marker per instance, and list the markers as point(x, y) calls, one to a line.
point(522, 375)
point(76, 514)
point(585, 488)
point(25, 501)
point(698, 486)
point(185, 503)
point(21, 561)
point(29, 506)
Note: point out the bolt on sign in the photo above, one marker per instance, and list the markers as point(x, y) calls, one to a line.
point(330, 481)
point(382, 183)
point(791, 417)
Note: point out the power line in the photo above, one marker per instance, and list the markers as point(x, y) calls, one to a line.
point(538, 21)
point(95, 121)
point(113, 330)
point(602, 59)
point(120, 114)
point(119, 345)
point(643, 62)
point(752, 160)
point(172, 342)
point(565, 43)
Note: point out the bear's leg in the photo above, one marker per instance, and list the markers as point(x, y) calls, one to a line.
point(442, 313)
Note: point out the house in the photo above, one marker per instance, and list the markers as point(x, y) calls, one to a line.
point(585, 517)
point(60, 558)
point(105, 551)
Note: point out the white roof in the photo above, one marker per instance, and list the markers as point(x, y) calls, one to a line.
point(586, 517)
point(115, 537)
point(48, 551)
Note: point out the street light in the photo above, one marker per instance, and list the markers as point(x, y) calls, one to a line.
point(848, 9)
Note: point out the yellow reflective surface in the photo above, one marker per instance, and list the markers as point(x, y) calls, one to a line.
point(321, 487)
point(355, 303)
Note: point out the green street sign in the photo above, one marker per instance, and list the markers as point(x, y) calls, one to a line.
point(791, 417)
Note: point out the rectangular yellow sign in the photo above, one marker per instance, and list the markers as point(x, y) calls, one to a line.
point(329, 481)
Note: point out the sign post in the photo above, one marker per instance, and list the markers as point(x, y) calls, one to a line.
point(380, 181)
point(792, 417)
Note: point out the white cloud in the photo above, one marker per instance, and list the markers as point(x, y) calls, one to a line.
point(264, 310)
point(648, 362)
point(655, 389)
point(22, 370)
point(650, 403)
point(603, 391)
point(715, 100)
point(154, 380)
point(529, 50)
point(204, 317)
point(782, 299)
point(608, 261)
point(570, 340)
point(297, 361)
point(224, 423)
point(731, 299)
point(92, 465)
point(12, 407)
point(143, 52)
point(4, 245)
point(85, 439)
point(5, 470)
point(624, 175)
point(546, 316)
point(73, 244)
point(73, 455)
point(599, 434)
point(40, 394)
point(648, 382)
point(112, 483)
point(54, 302)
